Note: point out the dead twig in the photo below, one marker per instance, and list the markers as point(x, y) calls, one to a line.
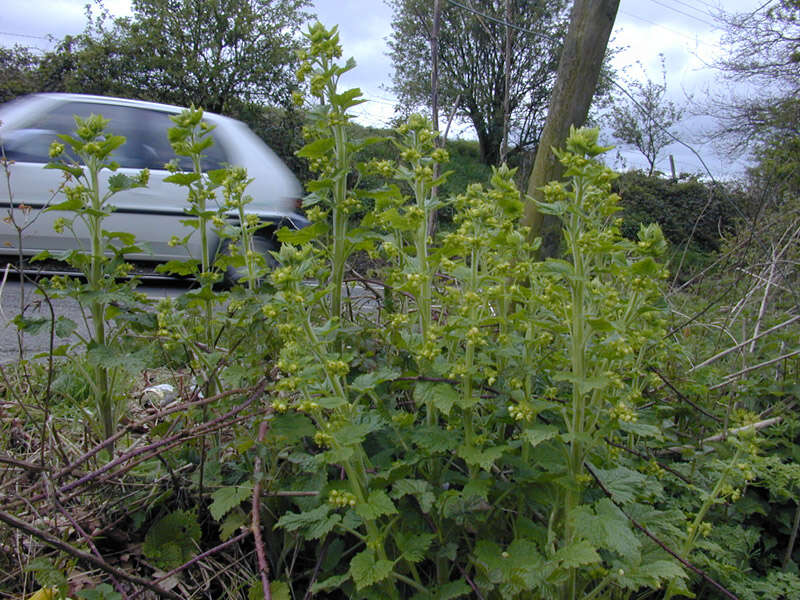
point(99, 563)
point(263, 565)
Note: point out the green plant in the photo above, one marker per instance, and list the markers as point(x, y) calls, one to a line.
point(102, 263)
point(495, 376)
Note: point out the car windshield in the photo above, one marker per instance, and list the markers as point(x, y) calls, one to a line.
point(145, 131)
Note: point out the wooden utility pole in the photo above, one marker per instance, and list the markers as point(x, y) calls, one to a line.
point(507, 85)
point(437, 14)
point(590, 26)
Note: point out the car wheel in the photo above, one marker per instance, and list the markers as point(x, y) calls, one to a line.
point(263, 245)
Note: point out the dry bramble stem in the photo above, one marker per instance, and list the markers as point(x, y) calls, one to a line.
point(53, 541)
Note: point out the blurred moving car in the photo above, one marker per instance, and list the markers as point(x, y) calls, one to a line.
point(153, 214)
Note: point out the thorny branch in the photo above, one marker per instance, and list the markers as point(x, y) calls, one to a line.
point(727, 593)
point(53, 541)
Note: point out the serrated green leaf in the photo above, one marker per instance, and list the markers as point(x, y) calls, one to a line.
point(482, 458)
point(171, 541)
point(453, 589)
point(366, 570)
point(378, 504)
point(291, 427)
point(278, 590)
point(179, 267)
point(584, 384)
point(367, 381)
point(225, 499)
point(32, 325)
point(317, 148)
point(119, 182)
point(557, 265)
point(577, 554)
point(665, 570)
point(331, 583)
point(442, 396)
point(621, 482)
point(488, 556)
point(435, 439)
point(236, 518)
point(413, 546)
point(72, 204)
point(641, 429)
point(536, 434)
point(418, 488)
point(607, 527)
point(316, 523)
point(182, 178)
point(304, 235)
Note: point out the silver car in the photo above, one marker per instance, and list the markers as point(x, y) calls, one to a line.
point(153, 214)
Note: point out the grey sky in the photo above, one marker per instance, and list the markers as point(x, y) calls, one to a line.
point(683, 30)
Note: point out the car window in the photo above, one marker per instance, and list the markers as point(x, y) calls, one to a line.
point(145, 133)
point(154, 125)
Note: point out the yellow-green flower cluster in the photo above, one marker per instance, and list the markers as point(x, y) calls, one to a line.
point(341, 499)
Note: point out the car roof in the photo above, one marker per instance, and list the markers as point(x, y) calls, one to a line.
point(112, 100)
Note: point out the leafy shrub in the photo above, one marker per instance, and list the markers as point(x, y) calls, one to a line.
point(469, 422)
point(688, 210)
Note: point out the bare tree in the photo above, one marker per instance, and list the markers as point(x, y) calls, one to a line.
point(643, 119)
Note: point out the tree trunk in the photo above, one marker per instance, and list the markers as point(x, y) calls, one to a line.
point(590, 26)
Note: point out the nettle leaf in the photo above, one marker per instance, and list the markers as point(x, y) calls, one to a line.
point(607, 527)
point(348, 99)
point(482, 458)
point(278, 590)
point(302, 236)
point(46, 573)
point(453, 589)
point(316, 523)
point(537, 434)
point(366, 570)
point(32, 325)
point(622, 483)
point(418, 488)
point(291, 427)
point(641, 429)
point(317, 148)
point(378, 504)
point(74, 203)
point(442, 396)
point(413, 546)
point(354, 433)
point(488, 556)
point(227, 498)
point(179, 267)
point(584, 384)
point(331, 583)
point(664, 571)
point(367, 381)
point(120, 182)
point(236, 518)
point(435, 439)
point(102, 592)
point(558, 266)
point(577, 554)
point(172, 540)
point(182, 178)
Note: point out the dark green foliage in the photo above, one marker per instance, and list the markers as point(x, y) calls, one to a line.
point(687, 209)
point(17, 67)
